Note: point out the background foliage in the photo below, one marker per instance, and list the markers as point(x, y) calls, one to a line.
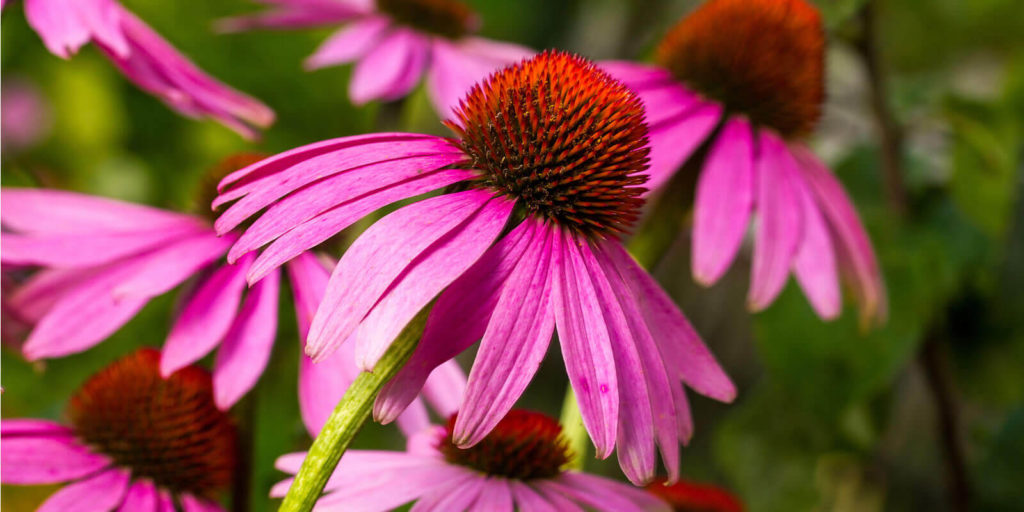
point(830, 416)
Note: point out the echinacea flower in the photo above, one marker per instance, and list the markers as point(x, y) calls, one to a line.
point(135, 441)
point(519, 465)
point(102, 260)
point(544, 174)
point(749, 73)
point(684, 496)
point(145, 58)
point(395, 42)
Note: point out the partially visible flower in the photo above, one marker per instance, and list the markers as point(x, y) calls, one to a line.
point(100, 261)
point(145, 58)
point(749, 73)
point(518, 466)
point(25, 115)
point(135, 441)
point(395, 43)
point(544, 175)
point(686, 496)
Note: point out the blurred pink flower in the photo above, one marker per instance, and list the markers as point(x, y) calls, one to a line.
point(136, 441)
point(518, 466)
point(554, 149)
point(25, 115)
point(769, 94)
point(395, 43)
point(145, 58)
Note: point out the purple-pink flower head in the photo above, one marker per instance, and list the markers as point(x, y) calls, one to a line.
point(145, 58)
point(749, 73)
point(135, 441)
point(545, 173)
point(395, 42)
point(520, 465)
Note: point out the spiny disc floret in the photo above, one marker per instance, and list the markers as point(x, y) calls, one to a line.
point(761, 58)
point(562, 138)
point(524, 445)
point(167, 430)
point(451, 19)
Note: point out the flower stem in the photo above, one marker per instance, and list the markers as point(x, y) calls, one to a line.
point(348, 417)
point(573, 430)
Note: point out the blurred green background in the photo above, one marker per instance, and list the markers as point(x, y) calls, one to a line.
point(918, 415)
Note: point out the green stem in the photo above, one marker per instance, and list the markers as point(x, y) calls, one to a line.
point(348, 417)
point(573, 430)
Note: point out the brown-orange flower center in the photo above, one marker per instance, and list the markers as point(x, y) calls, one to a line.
point(447, 18)
point(761, 58)
point(562, 138)
point(524, 445)
point(695, 497)
point(167, 430)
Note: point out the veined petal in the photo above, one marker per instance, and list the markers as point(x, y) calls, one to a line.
point(349, 43)
point(318, 229)
point(814, 264)
point(553, 494)
point(434, 269)
point(673, 140)
point(246, 348)
point(586, 345)
point(388, 490)
point(206, 317)
point(513, 345)
point(98, 493)
point(725, 194)
point(458, 493)
point(51, 212)
point(167, 267)
point(458, 319)
point(780, 225)
point(526, 498)
point(378, 258)
point(87, 250)
point(390, 69)
point(495, 495)
point(605, 494)
point(46, 459)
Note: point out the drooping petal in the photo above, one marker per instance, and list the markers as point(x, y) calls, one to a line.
point(391, 489)
point(495, 496)
point(349, 43)
point(391, 69)
point(290, 15)
point(815, 262)
point(513, 345)
point(141, 496)
point(677, 340)
point(780, 221)
point(586, 345)
point(206, 317)
point(98, 493)
point(167, 267)
point(605, 494)
point(87, 250)
point(46, 459)
point(638, 76)
point(434, 269)
point(526, 498)
point(456, 67)
point(29, 427)
point(246, 348)
point(378, 257)
point(31, 300)
point(852, 245)
point(561, 502)
point(46, 211)
point(62, 32)
point(458, 319)
point(455, 494)
point(445, 388)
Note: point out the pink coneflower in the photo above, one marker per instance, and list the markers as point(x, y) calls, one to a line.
point(145, 58)
point(136, 441)
point(686, 496)
point(544, 174)
point(517, 466)
point(753, 69)
point(102, 260)
point(395, 43)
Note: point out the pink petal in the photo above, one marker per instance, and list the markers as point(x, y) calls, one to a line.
point(434, 269)
point(445, 388)
point(141, 496)
point(456, 67)
point(377, 258)
point(605, 494)
point(244, 353)
point(98, 493)
point(495, 496)
point(679, 343)
point(638, 76)
point(36, 296)
point(675, 139)
point(44, 211)
point(526, 498)
point(63, 33)
point(349, 43)
point(513, 345)
point(390, 489)
point(852, 245)
point(191, 503)
point(290, 15)
point(561, 502)
point(24, 426)
point(391, 69)
point(814, 264)
point(426, 441)
point(46, 459)
point(320, 196)
point(206, 317)
point(586, 345)
point(725, 193)
point(414, 419)
point(458, 319)
point(294, 169)
point(169, 266)
point(103, 17)
point(87, 250)
point(165, 502)
point(780, 222)
point(455, 494)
